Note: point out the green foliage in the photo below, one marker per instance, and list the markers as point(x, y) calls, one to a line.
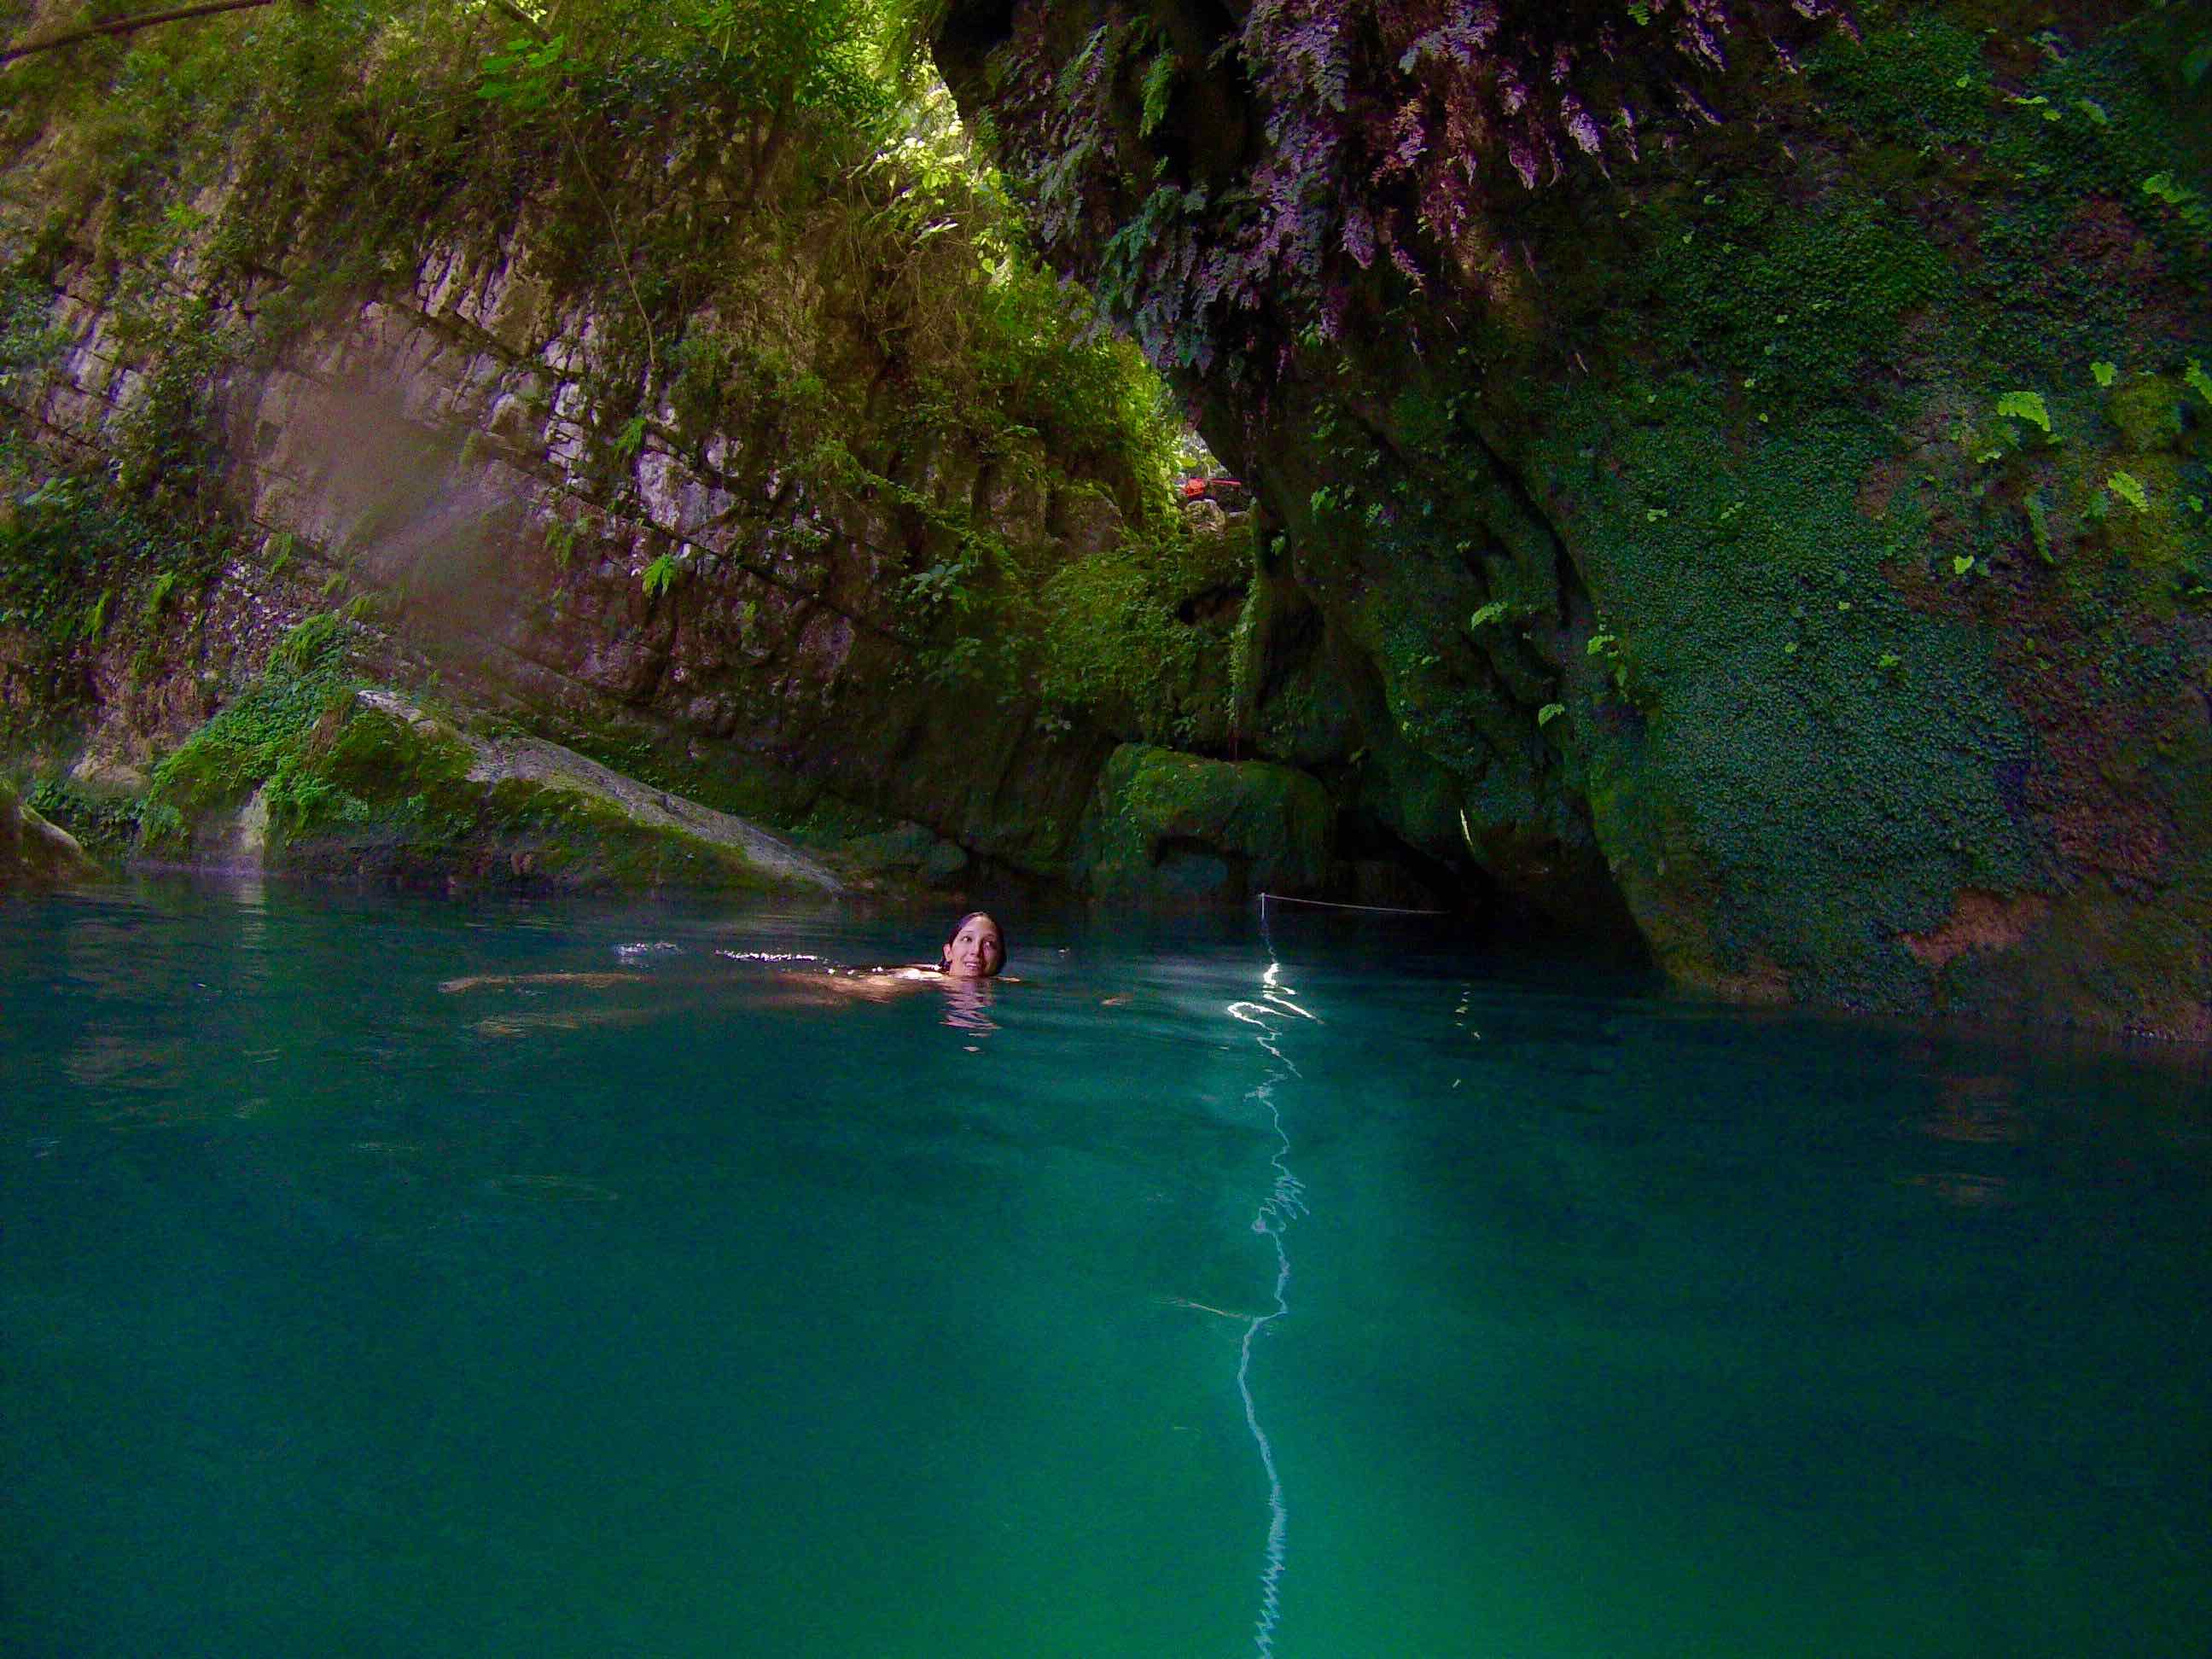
point(28, 339)
point(351, 139)
point(1159, 81)
point(2128, 489)
point(561, 539)
point(2188, 205)
point(70, 542)
point(2198, 63)
point(1548, 713)
point(2025, 406)
point(105, 825)
point(263, 738)
point(528, 75)
point(1117, 642)
point(314, 645)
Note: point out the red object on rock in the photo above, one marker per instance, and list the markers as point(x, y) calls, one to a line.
point(1224, 490)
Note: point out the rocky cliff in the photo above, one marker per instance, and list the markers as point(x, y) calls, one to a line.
point(771, 471)
point(1739, 474)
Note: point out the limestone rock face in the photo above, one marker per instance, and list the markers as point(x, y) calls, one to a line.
point(769, 639)
point(772, 473)
point(1792, 546)
point(34, 853)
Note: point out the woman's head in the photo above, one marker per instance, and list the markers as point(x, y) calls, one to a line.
point(975, 949)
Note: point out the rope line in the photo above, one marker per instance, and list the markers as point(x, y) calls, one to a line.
point(1331, 904)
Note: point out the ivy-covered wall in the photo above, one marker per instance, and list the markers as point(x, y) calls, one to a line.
point(1753, 480)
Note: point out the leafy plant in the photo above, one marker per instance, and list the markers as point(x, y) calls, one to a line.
point(1159, 78)
point(2104, 372)
point(528, 75)
point(2130, 488)
point(2025, 406)
point(659, 575)
point(2187, 205)
point(1548, 713)
point(561, 539)
point(2039, 524)
point(1393, 131)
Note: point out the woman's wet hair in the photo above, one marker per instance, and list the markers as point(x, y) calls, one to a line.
point(1005, 950)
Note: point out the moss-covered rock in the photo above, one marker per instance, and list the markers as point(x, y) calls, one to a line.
point(1794, 543)
point(310, 771)
point(1169, 825)
point(34, 853)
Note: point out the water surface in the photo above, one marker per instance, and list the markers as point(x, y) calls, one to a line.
point(1130, 1311)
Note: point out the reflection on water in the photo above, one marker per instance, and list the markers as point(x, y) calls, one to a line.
point(392, 1279)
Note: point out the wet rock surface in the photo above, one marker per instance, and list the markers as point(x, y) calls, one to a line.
point(35, 854)
point(1787, 547)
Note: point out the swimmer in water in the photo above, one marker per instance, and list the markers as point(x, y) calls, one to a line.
point(975, 949)
point(973, 954)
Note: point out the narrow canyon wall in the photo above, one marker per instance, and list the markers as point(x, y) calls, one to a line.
point(1776, 511)
point(839, 516)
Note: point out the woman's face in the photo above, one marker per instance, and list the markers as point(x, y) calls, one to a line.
point(976, 950)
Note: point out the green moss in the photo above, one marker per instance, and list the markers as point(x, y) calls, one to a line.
point(1122, 635)
point(80, 559)
point(105, 824)
point(265, 736)
point(1234, 827)
point(2147, 410)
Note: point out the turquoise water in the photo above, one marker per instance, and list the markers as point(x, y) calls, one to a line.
point(685, 1313)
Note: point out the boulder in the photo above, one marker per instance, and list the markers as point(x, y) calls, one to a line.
point(34, 853)
point(1168, 826)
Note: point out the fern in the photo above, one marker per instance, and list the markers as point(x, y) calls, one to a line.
point(1159, 79)
point(2025, 406)
point(659, 576)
